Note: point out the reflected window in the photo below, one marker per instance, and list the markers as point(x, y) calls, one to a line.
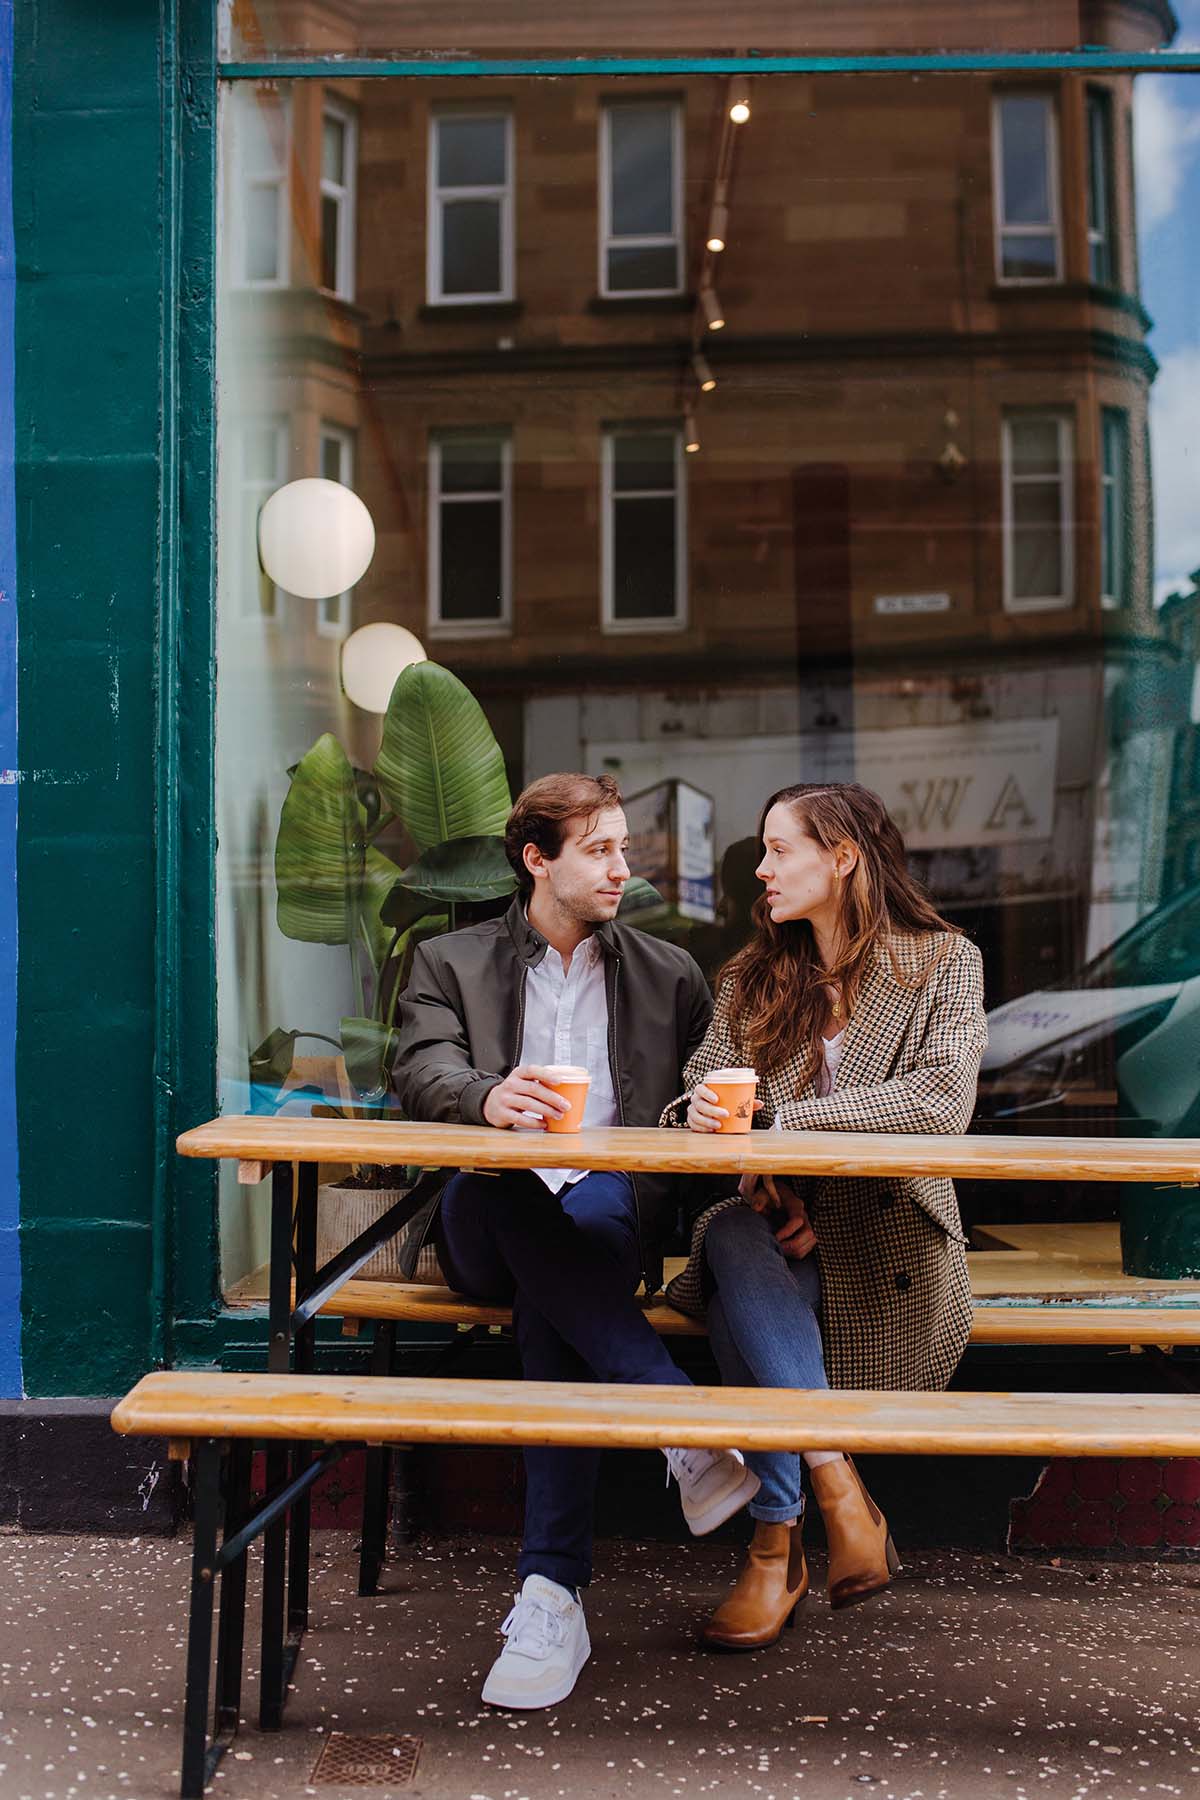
point(1101, 259)
point(1114, 506)
point(641, 205)
point(339, 157)
point(1037, 465)
point(470, 534)
point(337, 464)
point(644, 532)
point(1025, 174)
point(260, 201)
point(470, 249)
point(261, 458)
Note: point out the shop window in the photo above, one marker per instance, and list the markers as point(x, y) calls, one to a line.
point(1101, 263)
point(259, 213)
point(339, 181)
point(1038, 550)
point(1025, 175)
point(261, 452)
point(641, 204)
point(337, 464)
point(470, 534)
point(470, 244)
point(1114, 506)
point(644, 535)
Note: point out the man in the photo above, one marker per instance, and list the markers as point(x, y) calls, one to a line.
point(486, 1010)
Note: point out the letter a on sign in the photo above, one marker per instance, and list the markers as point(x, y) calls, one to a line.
point(1010, 800)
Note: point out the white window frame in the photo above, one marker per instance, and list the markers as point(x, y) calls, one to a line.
point(678, 621)
point(1066, 483)
point(252, 496)
point(1052, 227)
point(345, 196)
point(333, 614)
point(281, 181)
point(652, 240)
point(436, 201)
point(1118, 483)
point(437, 626)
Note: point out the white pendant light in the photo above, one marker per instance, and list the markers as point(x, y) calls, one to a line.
point(710, 306)
point(315, 538)
point(702, 370)
point(718, 227)
point(373, 659)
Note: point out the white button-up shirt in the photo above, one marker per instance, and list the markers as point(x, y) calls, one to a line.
point(566, 1021)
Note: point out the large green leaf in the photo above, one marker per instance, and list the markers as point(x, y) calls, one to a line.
point(369, 1049)
point(320, 851)
point(638, 896)
point(439, 765)
point(402, 908)
point(465, 869)
point(380, 879)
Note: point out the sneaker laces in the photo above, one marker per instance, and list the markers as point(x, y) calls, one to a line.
point(687, 1465)
point(532, 1628)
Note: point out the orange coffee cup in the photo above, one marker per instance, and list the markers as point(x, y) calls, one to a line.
point(735, 1089)
point(572, 1083)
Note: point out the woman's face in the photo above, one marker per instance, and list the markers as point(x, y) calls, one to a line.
point(800, 877)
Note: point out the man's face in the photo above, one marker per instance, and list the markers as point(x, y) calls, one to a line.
point(587, 877)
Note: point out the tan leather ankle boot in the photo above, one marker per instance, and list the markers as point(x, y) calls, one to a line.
point(773, 1580)
point(862, 1557)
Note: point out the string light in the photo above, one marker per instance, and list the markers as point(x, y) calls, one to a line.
point(718, 227)
point(691, 441)
point(711, 308)
point(703, 373)
point(739, 112)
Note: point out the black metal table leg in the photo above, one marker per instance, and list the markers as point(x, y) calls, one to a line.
point(270, 1705)
point(232, 1628)
point(207, 1471)
point(377, 1477)
point(303, 1358)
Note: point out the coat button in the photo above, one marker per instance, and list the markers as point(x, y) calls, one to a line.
point(903, 1281)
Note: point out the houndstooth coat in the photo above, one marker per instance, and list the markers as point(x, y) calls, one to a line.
point(896, 1298)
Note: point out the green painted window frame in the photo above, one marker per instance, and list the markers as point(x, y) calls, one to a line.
point(192, 1322)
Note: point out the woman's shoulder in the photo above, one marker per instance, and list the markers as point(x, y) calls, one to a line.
point(917, 955)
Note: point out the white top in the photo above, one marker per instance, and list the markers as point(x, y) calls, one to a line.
point(566, 1021)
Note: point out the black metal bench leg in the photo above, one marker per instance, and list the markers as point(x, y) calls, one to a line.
point(232, 1628)
point(271, 1690)
point(377, 1478)
point(303, 1359)
point(207, 1473)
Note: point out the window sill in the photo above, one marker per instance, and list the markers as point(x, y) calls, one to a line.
point(648, 303)
point(1090, 291)
point(466, 630)
point(458, 310)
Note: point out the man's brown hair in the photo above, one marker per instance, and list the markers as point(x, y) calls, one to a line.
point(545, 809)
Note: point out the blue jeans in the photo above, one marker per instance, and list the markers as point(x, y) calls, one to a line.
point(764, 1325)
point(568, 1263)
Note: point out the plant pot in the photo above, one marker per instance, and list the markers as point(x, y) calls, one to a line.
point(343, 1212)
point(1160, 1232)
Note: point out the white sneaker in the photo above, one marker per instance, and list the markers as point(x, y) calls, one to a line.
point(546, 1645)
point(713, 1485)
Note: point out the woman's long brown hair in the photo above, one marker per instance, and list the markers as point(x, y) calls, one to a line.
point(777, 1003)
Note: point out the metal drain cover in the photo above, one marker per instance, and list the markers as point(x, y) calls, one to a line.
point(383, 1761)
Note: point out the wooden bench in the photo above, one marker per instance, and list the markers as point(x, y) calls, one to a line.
point(218, 1419)
point(289, 1150)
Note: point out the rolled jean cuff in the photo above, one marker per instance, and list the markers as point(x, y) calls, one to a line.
point(776, 1515)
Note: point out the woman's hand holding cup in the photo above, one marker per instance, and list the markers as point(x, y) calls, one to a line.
point(724, 1102)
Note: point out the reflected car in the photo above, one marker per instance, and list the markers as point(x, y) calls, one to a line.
point(1113, 1048)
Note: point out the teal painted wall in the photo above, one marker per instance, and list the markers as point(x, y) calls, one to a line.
point(88, 209)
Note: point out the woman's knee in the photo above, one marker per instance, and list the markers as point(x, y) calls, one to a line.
point(734, 1236)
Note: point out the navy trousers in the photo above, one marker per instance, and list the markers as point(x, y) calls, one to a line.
point(568, 1265)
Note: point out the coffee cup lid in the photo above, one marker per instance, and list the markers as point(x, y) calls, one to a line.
point(731, 1075)
point(565, 1072)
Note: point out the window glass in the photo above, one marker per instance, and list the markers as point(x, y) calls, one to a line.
point(937, 533)
point(1100, 175)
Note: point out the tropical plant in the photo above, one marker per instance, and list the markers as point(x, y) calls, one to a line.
point(439, 774)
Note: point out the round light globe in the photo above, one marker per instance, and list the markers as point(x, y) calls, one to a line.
point(315, 538)
point(373, 658)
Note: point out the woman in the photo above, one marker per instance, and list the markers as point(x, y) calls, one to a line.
point(861, 1010)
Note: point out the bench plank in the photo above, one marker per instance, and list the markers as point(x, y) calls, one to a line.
point(421, 1304)
point(385, 1409)
point(860, 1153)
